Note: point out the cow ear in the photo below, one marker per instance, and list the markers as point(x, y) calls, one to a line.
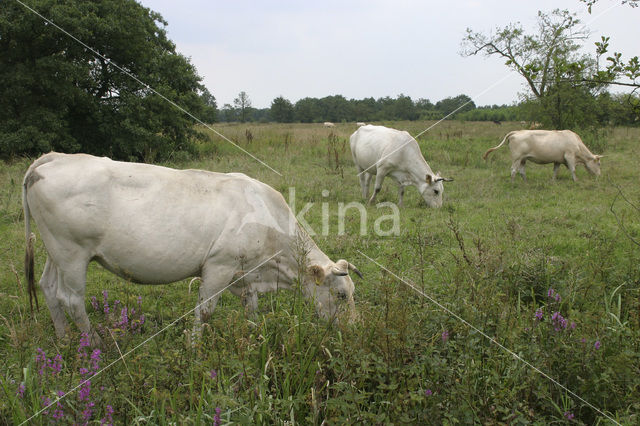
point(341, 268)
point(317, 273)
point(429, 179)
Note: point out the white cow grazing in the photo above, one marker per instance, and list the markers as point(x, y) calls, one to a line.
point(381, 151)
point(360, 124)
point(329, 124)
point(155, 225)
point(548, 146)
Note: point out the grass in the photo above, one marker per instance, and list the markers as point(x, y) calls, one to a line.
point(491, 254)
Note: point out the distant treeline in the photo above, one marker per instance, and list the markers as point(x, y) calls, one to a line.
point(57, 95)
point(605, 109)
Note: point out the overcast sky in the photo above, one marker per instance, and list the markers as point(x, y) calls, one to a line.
point(363, 48)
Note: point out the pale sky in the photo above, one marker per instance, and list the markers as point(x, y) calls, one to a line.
point(359, 49)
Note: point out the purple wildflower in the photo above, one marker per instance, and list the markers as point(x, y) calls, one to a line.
point(597, 344)
point(83, 371)
point(213, 374)
point(95, 359)
point(216, 418)
point(94, 302)
point(84, 342)
point(445, 336)
point(124, 319)
point(87, 412)
point(539, 314)
point(559, 322)
point(550, 293)
point(428, 392)
point(108, 418)
point(56, 365)
point(45, 403)
point(58, 414)
point(60, 393)
point(583, 340)
point(573, 325)
point(140, 302)
point(21, 389)
point(41, 361)
point(85, 390)
point(105, 302)
point(569, 415)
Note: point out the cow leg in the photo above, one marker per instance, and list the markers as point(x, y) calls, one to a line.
point(400, 194)
point(378, 186)
point(365, 179)
point(515, 167)
point(556, 166)
point(367, 182)
point(571, 165)
point(248, 298)
point(49, 285)
point(214, 280)
point(71, 289)
point(521, 169)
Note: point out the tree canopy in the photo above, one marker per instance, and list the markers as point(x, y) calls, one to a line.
point(56, 94)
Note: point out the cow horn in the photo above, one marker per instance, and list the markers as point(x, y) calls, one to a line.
point(354, 269)
point(443, 179)
point(341, 268)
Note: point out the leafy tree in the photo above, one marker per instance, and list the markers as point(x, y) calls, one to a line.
point(58, 95)
point(242, 104)
point(549, 62)
point(307, 110)
point(209, 111)
point(459, 104)
point(281, 110)
point(228, 113)
point(534, 57)
point(405, 109)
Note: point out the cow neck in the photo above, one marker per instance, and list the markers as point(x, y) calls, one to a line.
point(419, 170)
point(585, 153)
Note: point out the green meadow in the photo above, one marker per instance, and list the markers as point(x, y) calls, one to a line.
point(547, 269)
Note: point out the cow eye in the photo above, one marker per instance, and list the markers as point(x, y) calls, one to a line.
point(342, 295)
point(435, 191)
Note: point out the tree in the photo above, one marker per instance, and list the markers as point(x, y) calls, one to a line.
point(242, 104)
point(307, 110)
point(616, 67)
point(532, 56)
point(228, 113)
point(209, 111)
point(58, 95)
point(281, 110)
point(549, 62)
point(459, 104)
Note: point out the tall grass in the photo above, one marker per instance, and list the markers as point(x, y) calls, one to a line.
point(542, 266)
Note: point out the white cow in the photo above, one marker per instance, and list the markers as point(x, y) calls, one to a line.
point(381, 151)
point(360, 124)
point(155, 225)
point(548, 146)
point(329, 124)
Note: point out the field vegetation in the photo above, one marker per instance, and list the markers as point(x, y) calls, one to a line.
point(544, 267)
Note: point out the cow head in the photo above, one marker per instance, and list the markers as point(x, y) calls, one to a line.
point(331, 288)
point(593, 165)
point(432, 189)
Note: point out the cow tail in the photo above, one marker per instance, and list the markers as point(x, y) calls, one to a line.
point(29, 251)
point(490, 150)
